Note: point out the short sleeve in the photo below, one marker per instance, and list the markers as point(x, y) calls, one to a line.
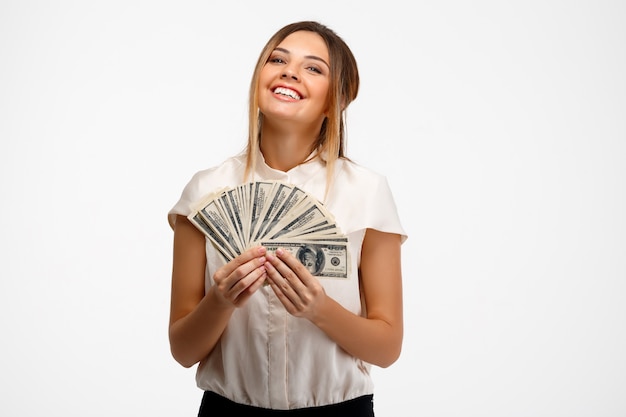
point(382, 213)
point(191, 193)
point(362, 199)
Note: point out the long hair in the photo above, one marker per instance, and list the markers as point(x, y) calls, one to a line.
point(344, 87)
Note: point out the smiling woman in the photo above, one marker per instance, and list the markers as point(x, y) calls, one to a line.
point(303, 344)
point(292, 95)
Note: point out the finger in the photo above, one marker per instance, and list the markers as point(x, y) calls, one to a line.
point(231, 273)
point(281, 287)
point(287, 274)
point(299, 276)
point(237, 284)
point(283, 298)
point(242, 281)
point(241, 261)
point(244, 295)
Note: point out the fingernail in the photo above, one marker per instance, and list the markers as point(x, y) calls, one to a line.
point(279, 252)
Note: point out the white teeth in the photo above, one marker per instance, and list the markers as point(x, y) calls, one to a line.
point(287, 92)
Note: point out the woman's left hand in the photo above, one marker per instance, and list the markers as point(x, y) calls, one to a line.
point(299, 291)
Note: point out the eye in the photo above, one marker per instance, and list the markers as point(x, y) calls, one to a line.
point(314, 69)
point(276, 60)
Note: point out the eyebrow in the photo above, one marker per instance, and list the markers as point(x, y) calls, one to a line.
point(315, 57)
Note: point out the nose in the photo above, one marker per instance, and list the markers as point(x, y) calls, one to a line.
point(289, 73)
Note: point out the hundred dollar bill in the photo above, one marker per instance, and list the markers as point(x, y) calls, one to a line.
point(245, 197)
point(234, 210)
point(320, 240)
point(224, 249)
point(279, 194)
point(313, 215)
point(289, 205)
point(322, 260)
point(214, 218)
point(266, 212)
point(261, 196)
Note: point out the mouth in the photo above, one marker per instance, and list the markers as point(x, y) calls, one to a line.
point(287, 92)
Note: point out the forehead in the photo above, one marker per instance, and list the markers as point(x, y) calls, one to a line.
point(305, 43)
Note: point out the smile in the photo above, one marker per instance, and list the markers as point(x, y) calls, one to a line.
point(287, 93)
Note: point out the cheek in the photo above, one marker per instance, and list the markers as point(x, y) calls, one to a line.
point(262, 88)
point(265, 76)
point(323, 91)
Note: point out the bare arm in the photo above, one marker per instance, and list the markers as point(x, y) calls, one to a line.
point(377, 338)
point(197, 321)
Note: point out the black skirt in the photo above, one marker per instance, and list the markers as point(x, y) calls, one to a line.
point(214, 405)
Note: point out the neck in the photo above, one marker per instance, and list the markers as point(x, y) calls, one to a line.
point(287, 147)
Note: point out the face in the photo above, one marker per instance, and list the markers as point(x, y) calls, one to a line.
point(309, 261)
point(294, 83)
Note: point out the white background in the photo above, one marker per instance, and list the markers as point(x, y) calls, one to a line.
point(501, 127)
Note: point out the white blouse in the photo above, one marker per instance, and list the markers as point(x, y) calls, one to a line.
point(266, 357)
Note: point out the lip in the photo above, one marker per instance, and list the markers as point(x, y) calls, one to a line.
point(274, 87)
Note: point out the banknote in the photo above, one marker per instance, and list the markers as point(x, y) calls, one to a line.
point(311, 217)
point(273, 213)
point(218, 221)
point(227, 253)
point(279, 194)
point(261, 196)
point(322, 260)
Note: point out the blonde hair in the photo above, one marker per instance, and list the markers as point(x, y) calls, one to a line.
point(344, 87)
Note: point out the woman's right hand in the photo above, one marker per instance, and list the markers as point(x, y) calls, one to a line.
point(236, 281)
point(198, 318)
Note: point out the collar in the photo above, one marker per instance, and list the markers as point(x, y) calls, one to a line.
point(296, 175)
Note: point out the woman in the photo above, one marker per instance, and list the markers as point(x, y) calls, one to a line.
point(302, 343)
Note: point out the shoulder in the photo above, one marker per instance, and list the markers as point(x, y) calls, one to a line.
point(228, 173)
point(361, 198)
point(354, 175)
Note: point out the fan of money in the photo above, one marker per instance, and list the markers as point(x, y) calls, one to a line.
point(276, 215)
